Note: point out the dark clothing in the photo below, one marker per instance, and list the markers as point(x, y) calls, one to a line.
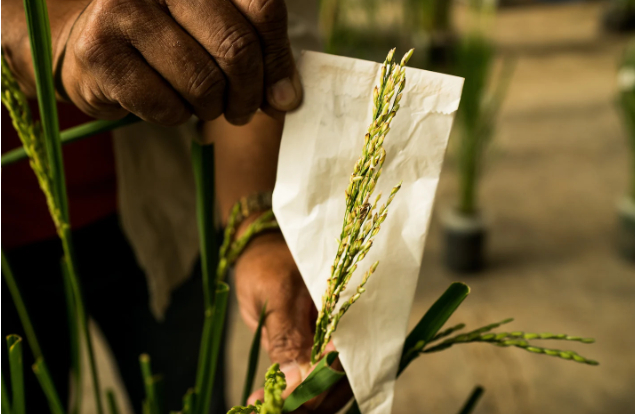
point(116, 297)
point(91, 183)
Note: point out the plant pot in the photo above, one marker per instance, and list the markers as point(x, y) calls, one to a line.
point(442, 46)
point(626, 230)
point(464, 238)
point(618, 18)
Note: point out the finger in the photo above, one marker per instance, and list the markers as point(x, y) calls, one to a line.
point(289, 338)
point(141, 90)
point(337, 366)
point(180, 60)
point(336, 399)
point(233, 43)
point(282, 82)
point(121, 78)
point(256, 395)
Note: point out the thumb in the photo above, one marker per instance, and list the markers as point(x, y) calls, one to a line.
point(282, 83)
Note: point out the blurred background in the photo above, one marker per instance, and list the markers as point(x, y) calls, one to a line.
point(535, 208)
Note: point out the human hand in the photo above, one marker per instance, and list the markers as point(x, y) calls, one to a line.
point(266, 272)
point(164, 60)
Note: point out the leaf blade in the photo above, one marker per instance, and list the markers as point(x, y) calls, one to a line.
point(254, 353)
point(14, 343)
point(433, 321)
point(321, 379)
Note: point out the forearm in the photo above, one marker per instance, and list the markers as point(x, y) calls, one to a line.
point(15, 38)
point(246, 158)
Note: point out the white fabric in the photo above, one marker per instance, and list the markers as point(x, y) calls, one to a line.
point(320, 144)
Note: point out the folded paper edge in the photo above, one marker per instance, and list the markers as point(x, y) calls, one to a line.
point(432, 103)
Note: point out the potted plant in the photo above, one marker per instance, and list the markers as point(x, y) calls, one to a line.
point(626, 206)
point(430, 23)
point(619, 16)
point(465, 232)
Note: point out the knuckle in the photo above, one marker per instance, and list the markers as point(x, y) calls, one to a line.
point(207, 87)
point(93, 47)
point(285, 345)
point(268, 10)
point(168, 114)
point(238, 46)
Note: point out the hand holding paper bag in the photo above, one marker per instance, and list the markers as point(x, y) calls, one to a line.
point(320, 144)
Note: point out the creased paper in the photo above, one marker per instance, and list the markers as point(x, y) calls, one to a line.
point(320, 143)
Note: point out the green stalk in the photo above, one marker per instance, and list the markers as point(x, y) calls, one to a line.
point(21, 308)
point(73, 326)
point(14, 343)
point(215, 293)
point(82, 317)
point(467, 182)
point(112, 402)
point(149, 382)
point(42, 371)
point(74, 134)
point(6, 402)
point(203, 164)
point(210, 346)
point(44, 377)
point(472, 400)
point(189, 402)
point(633, 178)
point(40, 38)
point(254, 352)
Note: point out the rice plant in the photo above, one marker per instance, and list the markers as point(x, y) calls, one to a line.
point(626, 84)
point(361, 220)
point(428, 15)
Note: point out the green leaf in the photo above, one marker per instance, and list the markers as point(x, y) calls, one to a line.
point(203, 164)
point(432, 322)
point(472, 400)
point(253, 357)
point(6, 402)
point(189, 401)
point(73, 330)
point(21, 308)
point(210, 346)
point(74, 134)
point(40, 38)
point(321, 379)
point(44, 377)
point(14, 343)
point(112, 402)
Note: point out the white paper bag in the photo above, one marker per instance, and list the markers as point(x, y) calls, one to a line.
point(320, 144)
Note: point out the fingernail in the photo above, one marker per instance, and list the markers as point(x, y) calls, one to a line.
point(283, 93)
point(242, 120)
point(292, 374)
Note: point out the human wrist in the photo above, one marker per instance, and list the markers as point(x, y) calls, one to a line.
point(16, 44)
point(247, 210)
